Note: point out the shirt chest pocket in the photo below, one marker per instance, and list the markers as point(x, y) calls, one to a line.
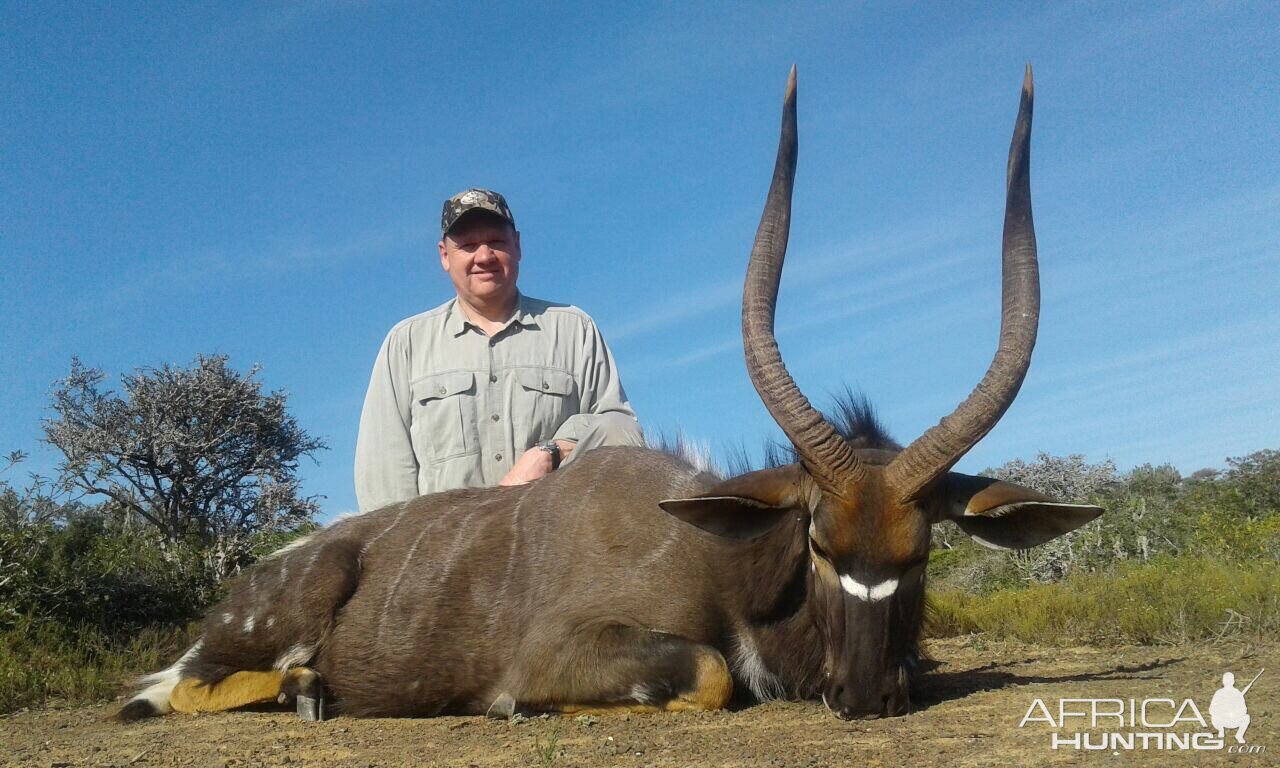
point(444, 416)
point(543, 399)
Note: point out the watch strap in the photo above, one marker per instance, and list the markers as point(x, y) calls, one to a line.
point(552, 448)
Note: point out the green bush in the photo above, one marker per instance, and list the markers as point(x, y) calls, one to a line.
point(44, 663)
point(90, 570)
point(1152, 511)
point(95, 603)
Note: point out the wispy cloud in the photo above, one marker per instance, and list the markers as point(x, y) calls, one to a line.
point(864, 268)
point(910, 293)
point(684, 306)
point(301, 252)
point(1192, 350)
point(198, 269)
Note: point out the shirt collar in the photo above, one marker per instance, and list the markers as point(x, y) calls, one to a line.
point(457, 323)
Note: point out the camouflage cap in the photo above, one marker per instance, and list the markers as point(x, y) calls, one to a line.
point(471, 200)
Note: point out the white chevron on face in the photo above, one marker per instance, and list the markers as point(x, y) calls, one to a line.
point(868, 593)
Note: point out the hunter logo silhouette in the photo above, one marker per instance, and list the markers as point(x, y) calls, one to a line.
point(1227, 710)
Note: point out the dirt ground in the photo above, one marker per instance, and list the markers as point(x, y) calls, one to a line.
point(967, 713)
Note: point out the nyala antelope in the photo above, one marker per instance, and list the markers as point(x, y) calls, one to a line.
point(631, 580)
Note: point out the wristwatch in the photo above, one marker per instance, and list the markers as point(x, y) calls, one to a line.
point(552, 448)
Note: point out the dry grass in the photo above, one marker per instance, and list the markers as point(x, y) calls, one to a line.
point(44, 664)
point(1162, 601)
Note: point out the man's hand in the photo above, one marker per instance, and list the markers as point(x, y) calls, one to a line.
point(534, 463)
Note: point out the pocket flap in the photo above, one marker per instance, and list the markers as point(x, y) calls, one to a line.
point(549, 380)
point(440, 385)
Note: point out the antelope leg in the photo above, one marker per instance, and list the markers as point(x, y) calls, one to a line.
point(617, 668)
point(241, 689)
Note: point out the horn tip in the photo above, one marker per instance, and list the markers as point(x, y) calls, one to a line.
point(1028, 85)
point(791, 83)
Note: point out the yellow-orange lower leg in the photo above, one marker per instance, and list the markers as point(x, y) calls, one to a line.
point(712, 688)
point(239, 689)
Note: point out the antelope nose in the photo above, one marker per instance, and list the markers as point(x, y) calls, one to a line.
point(846, 704)
point(851, 704)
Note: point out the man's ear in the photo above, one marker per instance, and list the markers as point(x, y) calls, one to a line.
point(744, 507)
point(444, 255)
point(1007, 516)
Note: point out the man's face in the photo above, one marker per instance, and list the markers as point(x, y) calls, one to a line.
point(482, 256)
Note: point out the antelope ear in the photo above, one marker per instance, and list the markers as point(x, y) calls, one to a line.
point(733, 517)
point(1003, 515)
point(743, 507)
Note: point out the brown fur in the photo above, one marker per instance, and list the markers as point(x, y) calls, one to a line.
point(441, 604)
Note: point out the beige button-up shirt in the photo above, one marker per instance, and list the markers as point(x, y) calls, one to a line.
point(449, 407)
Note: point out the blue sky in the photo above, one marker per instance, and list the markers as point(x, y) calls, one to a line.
point(264, 180)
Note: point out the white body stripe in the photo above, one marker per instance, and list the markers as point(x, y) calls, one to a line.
point(297, 543)
point(297, 656)
point(868, 593)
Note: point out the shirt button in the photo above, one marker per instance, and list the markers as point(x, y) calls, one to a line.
point(545, 385)
point(442, 390)
point(497, 457)
point(494, 417)
point(493, 377)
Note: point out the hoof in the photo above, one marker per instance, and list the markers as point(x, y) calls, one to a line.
point(502, 708)
point(312, 709)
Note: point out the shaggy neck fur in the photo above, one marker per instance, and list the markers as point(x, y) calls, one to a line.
point(776, 639)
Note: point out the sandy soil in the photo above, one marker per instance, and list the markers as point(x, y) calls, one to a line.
point(967, 714)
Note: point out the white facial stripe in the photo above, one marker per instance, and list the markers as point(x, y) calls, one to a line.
point(883, 589)
point(870, 594)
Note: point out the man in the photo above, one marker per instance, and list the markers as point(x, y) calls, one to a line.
point(490, 388)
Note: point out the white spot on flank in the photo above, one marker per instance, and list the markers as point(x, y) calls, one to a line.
point(248, 625)
point(227, 618)
point(747, 666)
point(157, 687)
point(869, 593)
point(271, 622)
point(296, 656)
